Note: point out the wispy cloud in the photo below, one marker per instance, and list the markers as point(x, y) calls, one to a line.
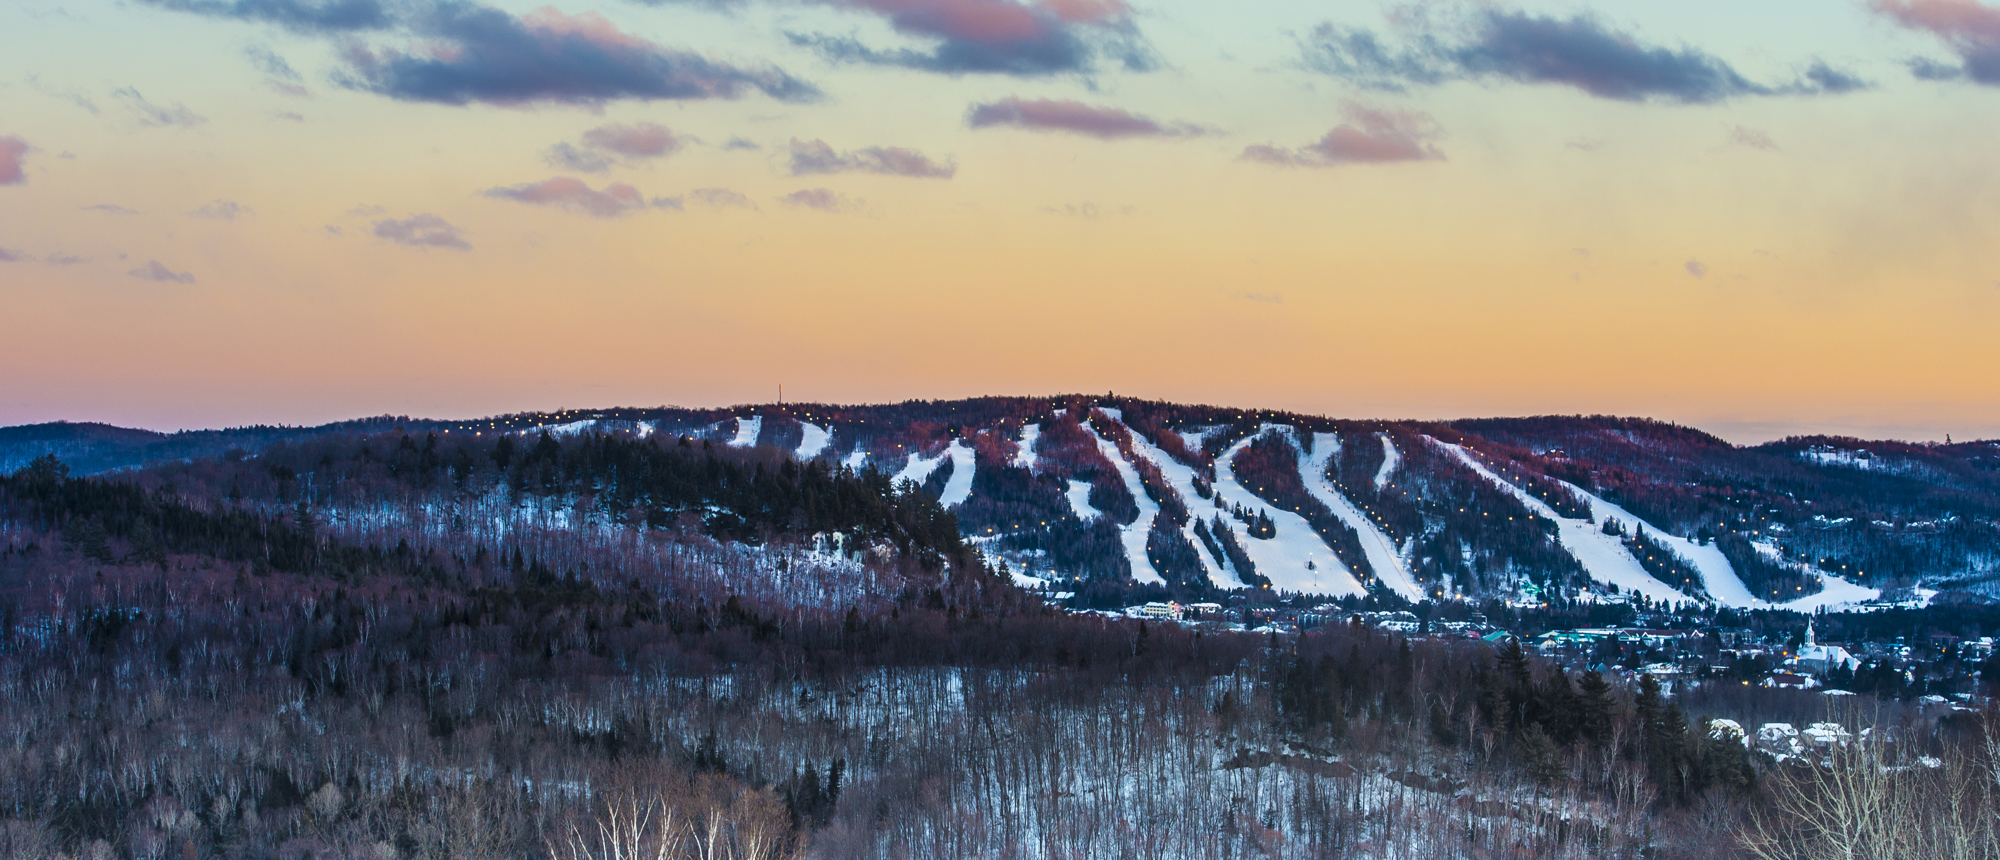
point(822, 199)
point(1752, 138)
point(304, 16)
point(566, 192)
point(1370, 136)
point(13, 157)
point(422, 231)
point(9, 255)
point(736, 143)
point(996, 36)
point(108, 209)
point(222, 210)
point(151, 114)
point(816, 157)
point(1074, 117)
point(721, 198)
point(155, 271)
point(1696, 269)
point(1968, 28)
point(607, 145)
point(1580, 52)
point(479, 54)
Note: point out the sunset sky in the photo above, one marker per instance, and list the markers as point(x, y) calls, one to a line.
point(1756, 218)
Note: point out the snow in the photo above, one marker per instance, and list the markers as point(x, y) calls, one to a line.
point(570, 429)
point(1134, 535)
point(856, 460)
point(1603, 556)
point(1716, 573)
point(1381, 551)
point(1283, 558)
point(814, 442)
point(958, 487)
point(1390, 460)
point(1079, 502)
point(747, 430)
point(1026, 457)
point(1180, 477)
point(1196, 437)
point(1835, 594)
point(918, 469)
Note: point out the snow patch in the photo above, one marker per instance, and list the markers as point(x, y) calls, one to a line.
point(1025, 456)
point(856, 460)
point(1079, 501)
point(1134, 535)
point(958, 487)
point(1180, 478)
point(1391, 458)
point(918, 468)
point(747, 430)
point(814, 442)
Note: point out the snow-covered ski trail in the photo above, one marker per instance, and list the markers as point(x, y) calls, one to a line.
point(1283, 559)
point(958, 487)
point(918, 468)
point(1380, 550)
point(1180, 478)
point(1079, 502)
point(1391, 458)
point(1026, 457)
point(1134, 535)
point(747, 430)
point(814, 442)
point(1603, 556)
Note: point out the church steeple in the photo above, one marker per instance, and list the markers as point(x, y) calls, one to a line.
point(1809, 634)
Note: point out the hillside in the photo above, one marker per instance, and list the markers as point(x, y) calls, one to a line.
point(1118, 500)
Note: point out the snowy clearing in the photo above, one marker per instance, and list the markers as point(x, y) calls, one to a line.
point(815, 441)
point(1380, 550)
point(747, 430)
point(1079, 502)
point(1283, 559)
point(1180, 478)
point(1025, 456)
point(918, 468)
point(1603, 556)
point(856, 460)
point(1390, 460)
point(1134, 535)
point(958, 487)
point(1835, 594)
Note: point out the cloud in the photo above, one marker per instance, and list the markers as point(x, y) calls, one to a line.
point(823, 199)
point(1752, 138)
point(1075, 117)
point(736, 143)
point(606, 145)
point(570, 193)
point(11, 256)
point(223, 210)
point(1370, 136)
point(153, 271)
point(996, 36)
point(64, 259)
point(108, 209)
point(422, 231)
point(479, 54)
point(13, 152)
point(280, 74)
point(1696, 268)
point(720, 198)
point(304, 16)
point(816, 157)
point(1580, 52)
point(1970, 29)
point(289, 116)
point(157, 115)
point(677, 204)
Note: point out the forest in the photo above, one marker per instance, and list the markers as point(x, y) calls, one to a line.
point(525, 645)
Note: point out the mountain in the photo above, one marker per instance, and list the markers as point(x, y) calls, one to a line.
point(1117, 500)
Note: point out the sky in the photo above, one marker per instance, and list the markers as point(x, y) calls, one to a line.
point(1757, 219)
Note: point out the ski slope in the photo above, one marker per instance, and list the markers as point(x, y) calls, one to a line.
point(1180, 478)
point(1717, 575)
point(958, 487)
point(747, 430)
point(1603, 556)
point(1379, 549)
point(814, 442)
point(1078, 495)
point(918, 468)
point(1025, 456)
point(1390, 460)
point(1132, 536)
point(1283, 559)
point(856, 460)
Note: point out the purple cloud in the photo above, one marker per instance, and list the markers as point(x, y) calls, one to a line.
point(8, 255)
point(13, 152)
point(1580, 52)
point(154, 271)
point(816, 157)
point(570, 193)
point(305, 16)
point(222, 210)
point(1752, 138)
point(996, 36)
point(606, 145)
point(422, 231)
point(158, 115)
point(1370, 136)
point(823, 199)
point(1970, 29)
point(1696, 269)
point(721, 198)
point(479, 54)
point(1075, 117)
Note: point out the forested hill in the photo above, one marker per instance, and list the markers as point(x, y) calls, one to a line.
point(1117, 500)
